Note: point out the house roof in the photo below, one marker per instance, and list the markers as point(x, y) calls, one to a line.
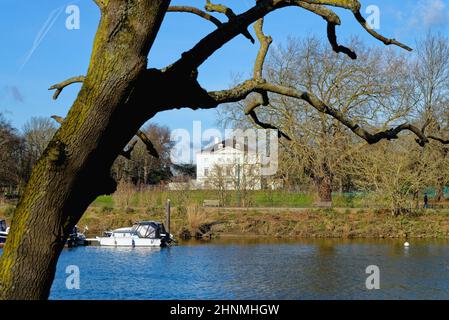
point(228, 143)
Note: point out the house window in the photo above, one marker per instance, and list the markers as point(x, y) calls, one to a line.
point(206, 172)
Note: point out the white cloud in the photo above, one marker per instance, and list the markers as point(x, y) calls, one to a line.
point(430, 13)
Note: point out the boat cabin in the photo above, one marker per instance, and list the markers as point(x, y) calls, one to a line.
point(143, 229)
point(149, 229)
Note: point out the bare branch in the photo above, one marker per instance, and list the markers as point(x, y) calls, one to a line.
point(326, 13)
point(243, 90)
point(265, 43)
point(332, 36)
point(197, 12)
point(196, 56)
point(150, 147)
point(60, 86)
point(229, 13)
point(332, 20)
point(262, 99)
point(58, 119)
point(376, 35)
point(443, 141)
point(267, 125)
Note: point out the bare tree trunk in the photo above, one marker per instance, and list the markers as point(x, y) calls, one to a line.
point(323, 183)
point(75, 167)
point(324, 187)
point(440, 192)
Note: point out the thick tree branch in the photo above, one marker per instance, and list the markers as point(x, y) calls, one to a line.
point(332, 20)
point(128, 150)
point(332, 36)
point(229, 13)
point(197, 12)
point(150, 147)
point(250, 86)
point(265, 43)
point(60, 86)
point(196, 56)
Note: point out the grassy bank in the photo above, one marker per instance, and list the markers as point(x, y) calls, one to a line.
point(265, 219)
point(261, 198)
point(286, 223)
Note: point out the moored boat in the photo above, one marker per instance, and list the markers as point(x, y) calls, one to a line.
point(4, 230)
point(77, 238)
point(141, 234)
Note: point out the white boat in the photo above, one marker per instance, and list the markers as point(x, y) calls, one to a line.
point(3, 231)
point(141, 234)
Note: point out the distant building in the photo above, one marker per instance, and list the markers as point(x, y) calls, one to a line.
point(228, 165)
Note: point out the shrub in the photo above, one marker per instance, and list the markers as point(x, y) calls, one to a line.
point(9, 211)
point(123, 196)
point(196, 217)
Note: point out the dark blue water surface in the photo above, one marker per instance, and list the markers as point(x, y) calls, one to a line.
point(258, 269)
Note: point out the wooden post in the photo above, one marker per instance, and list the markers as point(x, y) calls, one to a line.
point(238, 186)
point(167, 216)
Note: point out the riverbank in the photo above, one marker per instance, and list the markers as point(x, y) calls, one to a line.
point(281, 222)
point(344, 223)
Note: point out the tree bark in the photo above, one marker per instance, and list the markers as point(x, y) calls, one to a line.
point(324, 187)
point(75, 168)
point(324, 183)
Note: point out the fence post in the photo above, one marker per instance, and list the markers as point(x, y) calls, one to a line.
point(167, 216)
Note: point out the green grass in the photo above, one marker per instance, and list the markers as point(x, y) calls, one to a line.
point(262, 198)
point(258, 198)
point(155, 199)
point(104, 201)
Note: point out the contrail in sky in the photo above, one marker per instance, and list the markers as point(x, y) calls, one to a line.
point(52, 17)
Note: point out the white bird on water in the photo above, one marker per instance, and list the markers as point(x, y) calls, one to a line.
point(406, 244)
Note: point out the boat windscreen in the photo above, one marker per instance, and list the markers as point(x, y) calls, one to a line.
point(2, 225)
point(146, 231)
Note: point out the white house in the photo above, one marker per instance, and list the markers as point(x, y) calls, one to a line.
point(229, 165)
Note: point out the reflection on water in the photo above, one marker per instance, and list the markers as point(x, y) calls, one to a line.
point(248, 268)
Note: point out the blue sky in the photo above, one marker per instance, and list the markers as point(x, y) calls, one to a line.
point(30, 64)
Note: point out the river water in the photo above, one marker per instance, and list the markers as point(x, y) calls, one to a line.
point(257, 269)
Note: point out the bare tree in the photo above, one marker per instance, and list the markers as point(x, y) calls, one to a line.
point(37, 133)
point(11, 155)
point(146, 166)
point(392, 174)
point(119, 94)
point(431, 80)
point(218, 179)
point(369, 90)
